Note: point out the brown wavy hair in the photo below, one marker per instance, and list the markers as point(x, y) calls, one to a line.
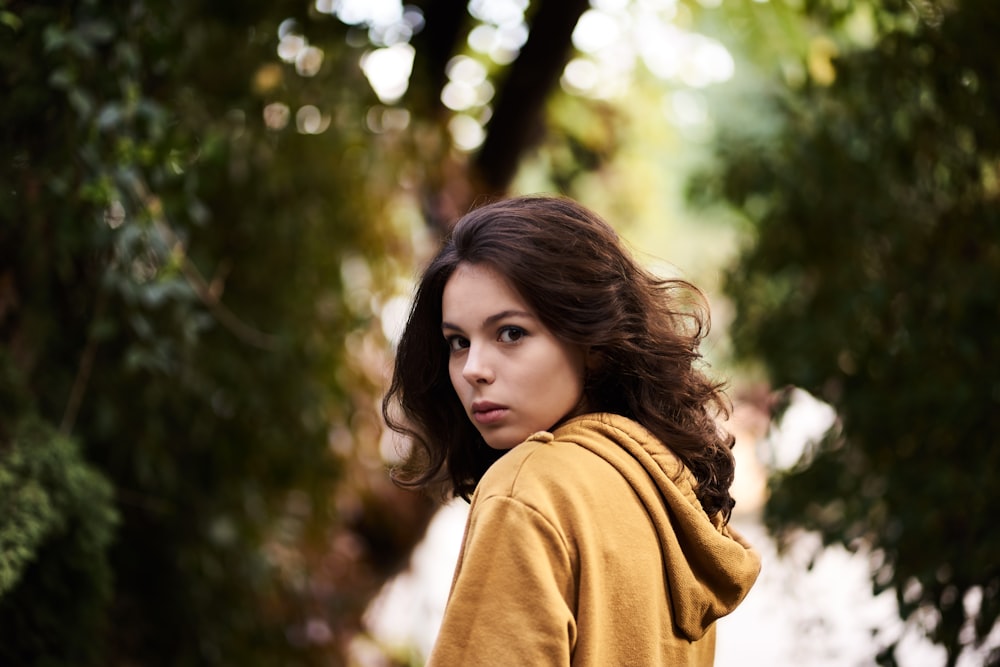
point(569, 265)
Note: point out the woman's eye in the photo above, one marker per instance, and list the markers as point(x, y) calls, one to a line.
point(456, 343)
point(511, 334)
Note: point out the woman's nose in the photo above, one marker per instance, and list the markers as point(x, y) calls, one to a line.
point(478, 369)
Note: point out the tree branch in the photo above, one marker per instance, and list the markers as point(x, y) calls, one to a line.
point(517, 123)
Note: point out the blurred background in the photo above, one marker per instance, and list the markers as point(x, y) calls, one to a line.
point(211, 220)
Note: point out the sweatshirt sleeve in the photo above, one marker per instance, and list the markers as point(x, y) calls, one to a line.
point(512, 596)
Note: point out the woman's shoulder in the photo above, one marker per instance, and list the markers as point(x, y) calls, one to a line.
point(548, 465)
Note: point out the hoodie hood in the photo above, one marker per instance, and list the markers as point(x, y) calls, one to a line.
point(709, 566)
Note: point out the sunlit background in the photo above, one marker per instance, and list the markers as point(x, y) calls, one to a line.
point(215, 216)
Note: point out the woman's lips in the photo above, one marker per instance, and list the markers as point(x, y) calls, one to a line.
point(487, 413)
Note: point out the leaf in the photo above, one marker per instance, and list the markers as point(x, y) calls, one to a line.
point(96, 31)
point(53, 38)
point(11, 20)
point(109, 116)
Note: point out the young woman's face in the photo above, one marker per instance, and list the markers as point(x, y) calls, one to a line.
point(512, 375)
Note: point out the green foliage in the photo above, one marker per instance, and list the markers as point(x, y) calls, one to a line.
point(55, 579)
point(871, 282)
point(171, 292)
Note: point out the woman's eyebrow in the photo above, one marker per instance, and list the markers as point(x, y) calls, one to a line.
point(492, 319)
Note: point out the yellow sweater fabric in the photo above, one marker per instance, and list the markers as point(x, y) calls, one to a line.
point(588, 547)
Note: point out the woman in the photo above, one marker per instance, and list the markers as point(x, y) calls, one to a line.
point(546, 375)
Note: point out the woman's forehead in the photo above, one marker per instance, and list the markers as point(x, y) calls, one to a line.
point(475, 289)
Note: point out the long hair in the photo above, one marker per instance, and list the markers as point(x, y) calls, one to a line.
point(571, 268)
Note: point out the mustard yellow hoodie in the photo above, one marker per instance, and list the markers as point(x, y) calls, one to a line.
point(588, 547)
